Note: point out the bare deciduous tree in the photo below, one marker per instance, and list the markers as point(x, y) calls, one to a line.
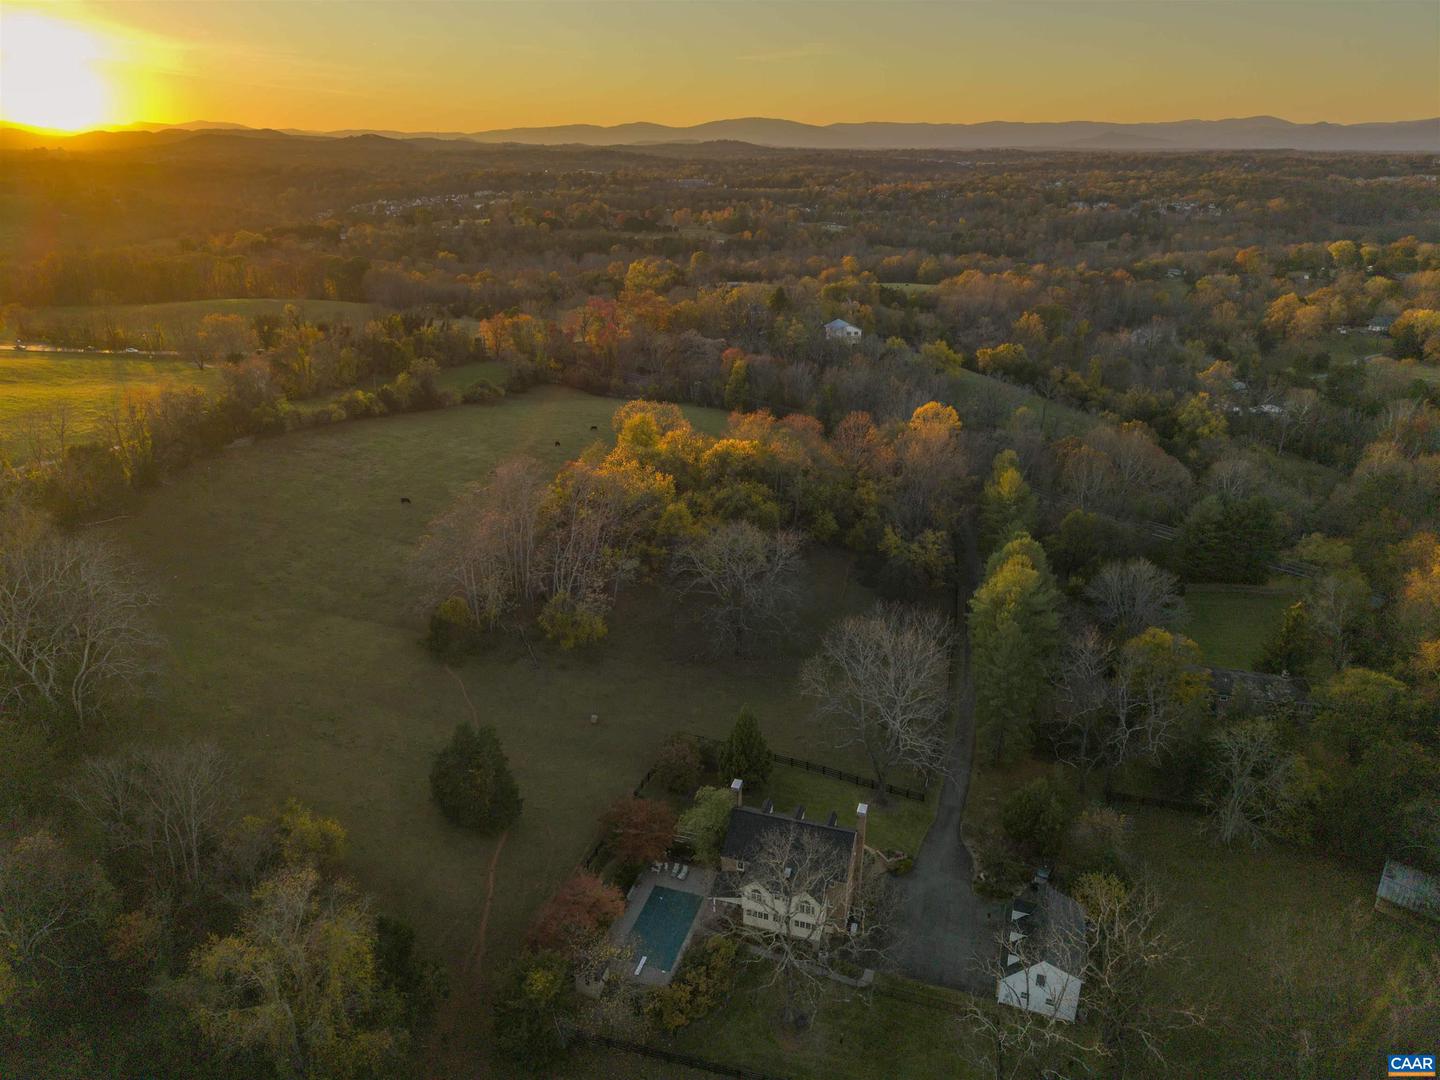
point(483, 549)
point(1129, 994)
point(822, 917)
point(1011, 1043)
point(1131, 594)
point(1086, 699)
point(881, 681)
point(169, 805)
point(1251, 789)
point(750, 579)
point(73, 631)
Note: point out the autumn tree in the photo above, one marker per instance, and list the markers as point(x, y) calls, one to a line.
point(583, 907)
point(880, 682)
point(932, 468)
point(226, 337)
point(1008, 507)
point(295, 983)
point(638, 830)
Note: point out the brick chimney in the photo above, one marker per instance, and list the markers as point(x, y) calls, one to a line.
point(738, 787)
point(857, 860)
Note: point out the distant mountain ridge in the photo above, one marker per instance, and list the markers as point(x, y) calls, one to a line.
point(1247, 133)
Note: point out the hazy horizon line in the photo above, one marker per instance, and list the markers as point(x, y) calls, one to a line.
point(718, 120)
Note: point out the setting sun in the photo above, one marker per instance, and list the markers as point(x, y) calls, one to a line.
point(51, 74)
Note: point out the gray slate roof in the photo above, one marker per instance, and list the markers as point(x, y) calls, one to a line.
point(1054, 929)
point(749, 825)
point(840, 324)
point(1409, 888)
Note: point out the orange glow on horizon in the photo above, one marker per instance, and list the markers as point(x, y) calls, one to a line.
point(71, 65)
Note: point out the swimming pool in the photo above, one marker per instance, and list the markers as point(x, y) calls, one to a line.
point(663, 924)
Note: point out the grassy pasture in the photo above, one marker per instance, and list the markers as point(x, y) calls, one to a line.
point(294, 645)
point(994, 401)
point(1232, 623)
point(1238, 909)
point(34, 385)
point(854, 1038)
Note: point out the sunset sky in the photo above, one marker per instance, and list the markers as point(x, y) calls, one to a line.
point(471, 66)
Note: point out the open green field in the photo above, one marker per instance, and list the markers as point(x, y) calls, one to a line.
point(1232, 623)
point(35, 386)
point(294, 644)
point(1244, 913)
point(994, 401)
point(141, 317)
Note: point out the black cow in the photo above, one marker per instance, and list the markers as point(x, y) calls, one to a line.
point(557, 442)
point(594, 427)
point(404, 500)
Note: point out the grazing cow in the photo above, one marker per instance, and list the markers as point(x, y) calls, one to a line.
point(594, 427)
point(404, 500)
point(557, 442)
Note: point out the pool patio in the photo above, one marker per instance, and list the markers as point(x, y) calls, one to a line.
point(697, 882)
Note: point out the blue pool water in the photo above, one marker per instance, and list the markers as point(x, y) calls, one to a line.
point(663, 924)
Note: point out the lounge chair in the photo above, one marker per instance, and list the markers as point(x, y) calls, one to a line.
point(684, 872)
point(641, 965)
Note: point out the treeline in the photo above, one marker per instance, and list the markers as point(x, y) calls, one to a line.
point(273, 370)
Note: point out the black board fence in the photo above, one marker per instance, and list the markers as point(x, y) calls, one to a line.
point(673, 1057)
point(837, 774)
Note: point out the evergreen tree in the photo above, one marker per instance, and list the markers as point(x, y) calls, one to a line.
point(1231, 540)
point(472, 782)
point(745, 754)
point(1014, 639)
point(1292, 648)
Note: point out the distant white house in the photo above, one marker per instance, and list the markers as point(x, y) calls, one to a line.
point(1380, 324)
point(1404, 890)
point(840, 330)
point(1043, 953)
point(799, 913)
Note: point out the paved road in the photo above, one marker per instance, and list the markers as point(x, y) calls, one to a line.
point(945, 933)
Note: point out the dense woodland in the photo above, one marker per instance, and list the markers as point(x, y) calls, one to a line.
point(1086, 382)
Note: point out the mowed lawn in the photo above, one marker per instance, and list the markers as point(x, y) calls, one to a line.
point(1232, 624)
point(35, 386)
point(294, 644)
